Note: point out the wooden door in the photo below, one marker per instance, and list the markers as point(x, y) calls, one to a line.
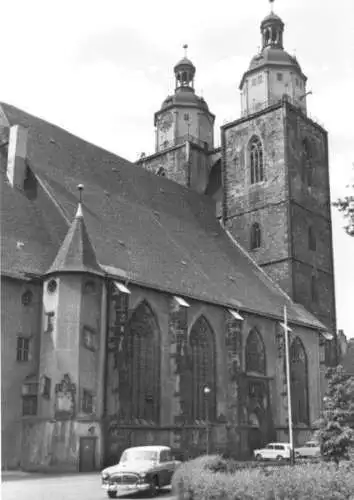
point(87, 454)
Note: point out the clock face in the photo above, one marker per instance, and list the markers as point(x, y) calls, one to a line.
point(165, 121)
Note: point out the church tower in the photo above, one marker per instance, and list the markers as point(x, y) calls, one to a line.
point(184, 133)
point(276, 199)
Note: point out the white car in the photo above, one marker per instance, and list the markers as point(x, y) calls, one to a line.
point(141, 468)
point(309, 449)
point(273, 451)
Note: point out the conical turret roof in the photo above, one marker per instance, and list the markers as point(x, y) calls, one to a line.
point(76, 254)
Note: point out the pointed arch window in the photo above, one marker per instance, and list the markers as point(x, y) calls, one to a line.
point(255, 353)
point(299, 382)
point(143, 364)
point(256, 160)
point(311, 238)
point(202, 345)
point(256, 236)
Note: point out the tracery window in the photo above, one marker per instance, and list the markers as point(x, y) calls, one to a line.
point(256, 160)
point(143, 353)
point(255, 353)
point(255, 236)
point(203, 370)
point(299, 382)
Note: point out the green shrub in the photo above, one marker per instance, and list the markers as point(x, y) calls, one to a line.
point(212, 478)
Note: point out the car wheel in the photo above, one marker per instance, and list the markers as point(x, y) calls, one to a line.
point(279, 457)
point(112, 494)
point(154, 487)
point(259, 457)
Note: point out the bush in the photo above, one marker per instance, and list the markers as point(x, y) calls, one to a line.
point(214, 478)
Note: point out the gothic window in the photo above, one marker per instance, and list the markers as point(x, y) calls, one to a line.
point(255, 353)
point(256, 160)
point(255, 236)
point(299, 382)
point(307, 162)
point(203, 370)
point(311, 238)
point(143, 355)
point(22, 351)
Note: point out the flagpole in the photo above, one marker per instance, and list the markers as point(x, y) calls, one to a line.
point(290, 420)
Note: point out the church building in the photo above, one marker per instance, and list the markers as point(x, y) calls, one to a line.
point(143, 303)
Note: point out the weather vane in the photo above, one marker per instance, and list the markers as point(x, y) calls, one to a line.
point(271, 5)
point(185, 46)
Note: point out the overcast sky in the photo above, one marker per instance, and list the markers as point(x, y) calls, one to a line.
point(101, 70)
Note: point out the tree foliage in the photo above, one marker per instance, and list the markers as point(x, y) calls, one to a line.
point(346, 206)
point(336, 425)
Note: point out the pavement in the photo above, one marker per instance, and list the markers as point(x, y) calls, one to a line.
point(41, 486)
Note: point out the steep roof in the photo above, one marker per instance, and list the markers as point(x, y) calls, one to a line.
point(76, 253)
point(143, 227)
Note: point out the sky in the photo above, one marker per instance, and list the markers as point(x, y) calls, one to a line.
point(101, 70)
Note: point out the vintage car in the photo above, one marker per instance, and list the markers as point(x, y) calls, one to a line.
point(141, 468)
point(309, 449)
point(273, 451)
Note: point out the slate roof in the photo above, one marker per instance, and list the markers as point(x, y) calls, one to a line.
point(76, 253)
point(143, 227)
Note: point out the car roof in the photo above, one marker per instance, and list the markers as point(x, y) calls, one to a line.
point(149, 448)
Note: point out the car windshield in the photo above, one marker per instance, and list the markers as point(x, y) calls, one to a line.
point(138, 455)
point(269, 447)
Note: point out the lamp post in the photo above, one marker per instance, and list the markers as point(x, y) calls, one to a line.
point(288, 374)
point(207, 391)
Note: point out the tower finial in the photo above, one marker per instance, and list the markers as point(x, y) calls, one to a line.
point(80, 188)
point(271, 5)
point(185, 46)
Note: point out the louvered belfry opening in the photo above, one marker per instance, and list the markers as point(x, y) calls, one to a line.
point(143, 360)
point(202, 344)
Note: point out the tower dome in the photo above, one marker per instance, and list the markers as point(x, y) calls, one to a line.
point(184, 71)
point(273, 74)
point(184, 115)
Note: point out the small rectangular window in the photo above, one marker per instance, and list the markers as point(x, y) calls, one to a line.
point(254, 81)
point(29, 405)
point(260, 78)
point(186, 117)
point(87, 401)
point(280, 77)
point(46, 383)
point(50, 325)
point(22, 350)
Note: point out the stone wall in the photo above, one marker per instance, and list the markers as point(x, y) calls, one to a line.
point(24, 320)
point(285, 204)
point(173, 163)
